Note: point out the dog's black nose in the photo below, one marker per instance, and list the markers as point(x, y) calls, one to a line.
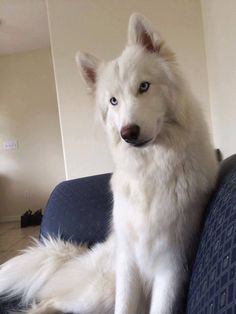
point(130, 133)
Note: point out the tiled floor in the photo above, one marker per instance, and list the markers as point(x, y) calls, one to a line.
point(13, 239)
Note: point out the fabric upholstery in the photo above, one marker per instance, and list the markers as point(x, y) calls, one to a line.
point(79, 210)
point(213, 282)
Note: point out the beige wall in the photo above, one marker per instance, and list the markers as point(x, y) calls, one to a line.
point(29, 114)
point(100, 28)
point(220, 36)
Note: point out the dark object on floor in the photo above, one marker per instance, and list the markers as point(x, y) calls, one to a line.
point(29, 219)
point(25, 219)
point(36, 218)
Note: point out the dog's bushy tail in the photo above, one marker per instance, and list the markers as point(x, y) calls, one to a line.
point(25, 274)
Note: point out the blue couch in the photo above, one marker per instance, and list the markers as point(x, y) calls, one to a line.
point(80, 210)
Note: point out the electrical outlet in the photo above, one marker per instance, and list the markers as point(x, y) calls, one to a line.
point(10, 145)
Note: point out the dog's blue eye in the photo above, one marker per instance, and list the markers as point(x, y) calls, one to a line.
point(143, 87)
point(113, 101)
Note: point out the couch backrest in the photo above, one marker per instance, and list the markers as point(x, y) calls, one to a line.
point(213, 282)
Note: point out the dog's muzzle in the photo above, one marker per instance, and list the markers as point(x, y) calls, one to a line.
point(130, 134)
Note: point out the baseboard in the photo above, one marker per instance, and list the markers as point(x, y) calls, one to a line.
point(9, 218)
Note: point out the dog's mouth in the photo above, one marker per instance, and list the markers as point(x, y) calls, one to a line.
point(139, 143)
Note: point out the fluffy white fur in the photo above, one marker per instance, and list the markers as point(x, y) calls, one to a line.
point(160, 192)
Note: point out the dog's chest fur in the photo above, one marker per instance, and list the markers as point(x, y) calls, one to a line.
point(150, 206)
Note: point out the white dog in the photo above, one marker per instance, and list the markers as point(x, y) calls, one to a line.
point(165, 171)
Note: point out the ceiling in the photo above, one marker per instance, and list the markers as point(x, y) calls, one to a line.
point(23, 26)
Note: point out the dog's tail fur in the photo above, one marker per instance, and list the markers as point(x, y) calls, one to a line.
point(26, 273)
point(61, 271)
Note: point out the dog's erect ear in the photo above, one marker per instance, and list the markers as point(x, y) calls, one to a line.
point(140, 32)
point(88, 66)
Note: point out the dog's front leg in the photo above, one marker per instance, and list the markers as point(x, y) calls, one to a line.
point(128, 285)
point(168, 290)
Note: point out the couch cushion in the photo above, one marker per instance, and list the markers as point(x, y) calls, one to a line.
point(213, 282)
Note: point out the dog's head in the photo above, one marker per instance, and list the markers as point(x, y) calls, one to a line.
point(135, 93)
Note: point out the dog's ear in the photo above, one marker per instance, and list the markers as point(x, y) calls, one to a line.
point(88, 66)
point(140, 32)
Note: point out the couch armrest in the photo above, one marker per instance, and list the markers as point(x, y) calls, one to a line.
point(79, 210)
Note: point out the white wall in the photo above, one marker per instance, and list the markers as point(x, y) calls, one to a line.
point(220, 36)
point(100, 27)
point(29, 114)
